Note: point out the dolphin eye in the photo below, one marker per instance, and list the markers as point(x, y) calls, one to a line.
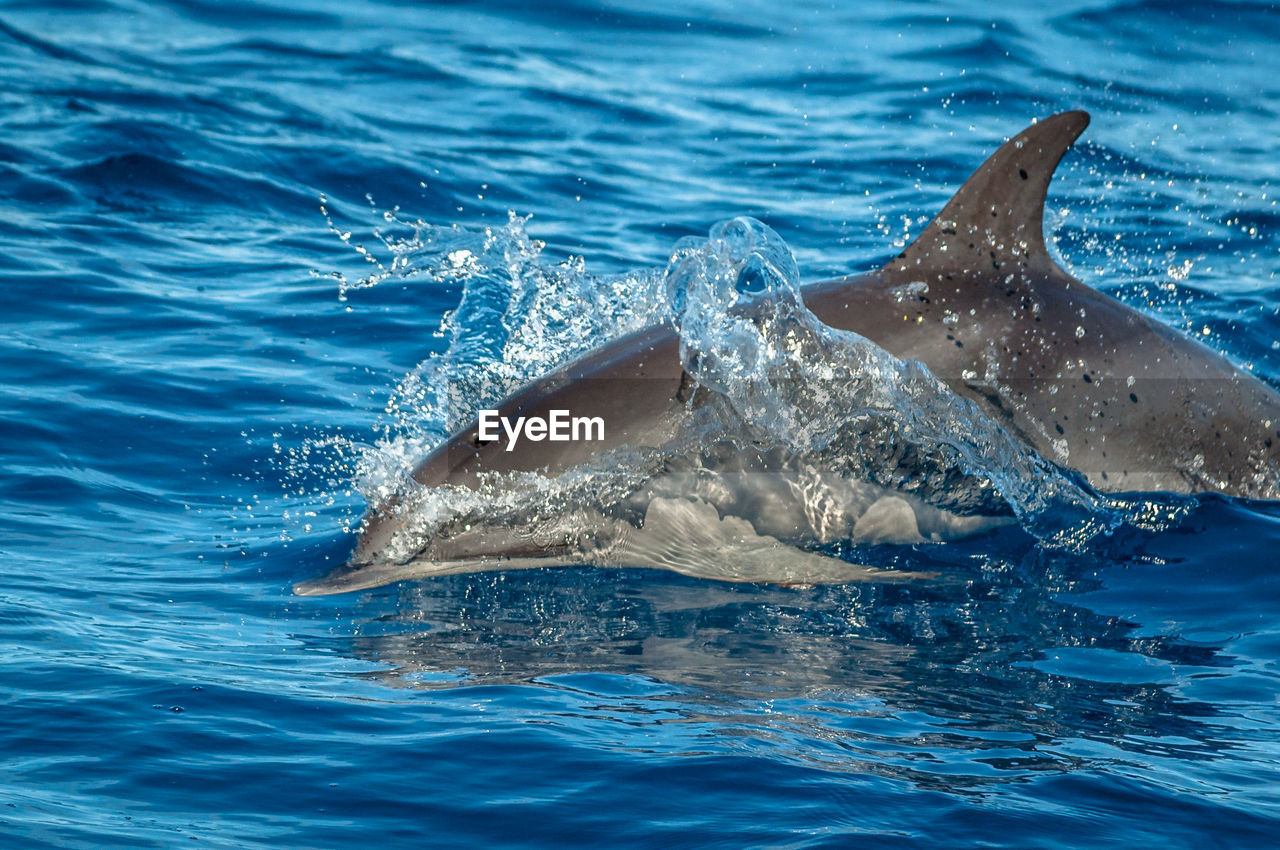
point(477, 442)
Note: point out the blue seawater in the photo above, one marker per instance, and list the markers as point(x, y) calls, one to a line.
point(188, 391)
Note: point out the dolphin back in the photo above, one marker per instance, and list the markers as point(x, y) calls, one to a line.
point(1088, 381)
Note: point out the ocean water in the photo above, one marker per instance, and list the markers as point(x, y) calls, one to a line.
point(237, 239)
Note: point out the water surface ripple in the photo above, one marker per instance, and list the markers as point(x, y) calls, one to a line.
point(189, 395)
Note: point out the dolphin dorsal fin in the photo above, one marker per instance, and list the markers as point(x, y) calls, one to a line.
point(995, 223)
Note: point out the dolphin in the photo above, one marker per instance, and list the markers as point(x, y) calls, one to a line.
point(1086, 381)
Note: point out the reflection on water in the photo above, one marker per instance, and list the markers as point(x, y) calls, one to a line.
point(996, 669)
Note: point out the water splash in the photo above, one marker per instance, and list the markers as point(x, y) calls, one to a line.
point(842, 399)
point(817, 435)
point(518, 316)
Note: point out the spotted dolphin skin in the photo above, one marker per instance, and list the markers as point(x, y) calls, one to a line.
point(1085, 380)
point(1088, 381)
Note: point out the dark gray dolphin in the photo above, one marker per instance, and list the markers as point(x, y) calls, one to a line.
point(1087, 381)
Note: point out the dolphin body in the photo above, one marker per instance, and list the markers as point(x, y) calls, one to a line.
point(1086, 381)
